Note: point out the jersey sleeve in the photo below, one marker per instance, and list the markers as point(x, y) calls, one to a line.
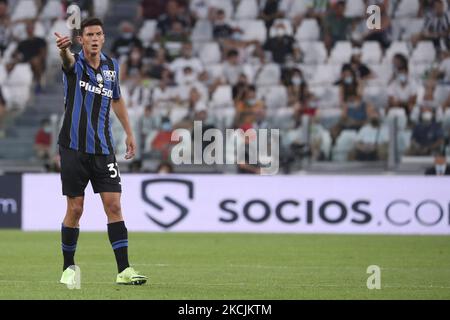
point(116, 88)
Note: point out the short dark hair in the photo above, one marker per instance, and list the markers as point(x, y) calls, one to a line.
point(89, 22)
point(232, 53)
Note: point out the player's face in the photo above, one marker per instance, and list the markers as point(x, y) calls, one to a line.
point(92, 39)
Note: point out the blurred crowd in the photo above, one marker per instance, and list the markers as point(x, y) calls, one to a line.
point(311, 68)
point(271, 63)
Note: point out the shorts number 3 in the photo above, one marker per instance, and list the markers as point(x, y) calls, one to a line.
point(114, 168)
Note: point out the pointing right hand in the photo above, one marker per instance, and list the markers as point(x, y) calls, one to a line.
point(62, 43)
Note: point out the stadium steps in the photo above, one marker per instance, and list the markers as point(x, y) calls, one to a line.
point(19, 139)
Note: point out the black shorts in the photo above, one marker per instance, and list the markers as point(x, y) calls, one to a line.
point(78, 168)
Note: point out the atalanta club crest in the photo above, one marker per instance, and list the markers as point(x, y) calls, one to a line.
point(100, 80)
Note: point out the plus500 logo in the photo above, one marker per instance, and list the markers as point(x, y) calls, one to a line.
point(97, 90)
point(398, 213)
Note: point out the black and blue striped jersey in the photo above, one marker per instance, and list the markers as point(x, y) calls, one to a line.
point(87, 97)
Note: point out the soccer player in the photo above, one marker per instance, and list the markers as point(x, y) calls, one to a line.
point(91, 84)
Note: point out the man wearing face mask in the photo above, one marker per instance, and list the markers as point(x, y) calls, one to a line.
point(281, 45)
point(299, 94)
point(246, 107)
point(221, 29)
point(440, 167)
point(127, 40)
point(427, 137)
point(402, 92)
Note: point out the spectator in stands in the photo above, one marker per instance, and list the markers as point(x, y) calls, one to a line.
point(201, 115)
point(195, 101)
point(371, 142)
point(427, 136)
point(299, 94)
point(151, 9)
point(296, 144)
point(5, 31)
point(270, 12)
point(355, 113)
point(232, 67)
point(33, 50)
point(179, 65)
point(176, 33)
point(260, 120)
point(43, 140)
point(318, 9)
point(361, 70)
point(221, 29)
point(133, 69)
point(349, 86)
point(426, 8)
point(427, 100)
point(399, 62)
point(402, 92)
point(246, 107)
point(282, 46)
point(163, 94)
point(440, 167)
point(156, 64)
point(436, 27)
point(187, 77)
point(238, 90)
point(123, 45)
point(200, 9)
point(336, 25)
point(174, 13)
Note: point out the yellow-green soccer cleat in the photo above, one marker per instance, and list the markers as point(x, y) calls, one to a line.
point(68, 277)
point(130, 277)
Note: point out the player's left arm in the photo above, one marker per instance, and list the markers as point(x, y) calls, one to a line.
point(119, 108)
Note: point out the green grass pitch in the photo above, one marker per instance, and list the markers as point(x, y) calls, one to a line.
point(230, 266)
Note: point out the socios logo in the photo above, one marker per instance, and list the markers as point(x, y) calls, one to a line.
point(165, 210)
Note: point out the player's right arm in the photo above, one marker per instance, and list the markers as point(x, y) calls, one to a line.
point(63, 44)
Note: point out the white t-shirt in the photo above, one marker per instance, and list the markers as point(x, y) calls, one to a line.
point(180, 63)
point(200, 7)
point(371, 136)
point(160, 95)
point(402, 93)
